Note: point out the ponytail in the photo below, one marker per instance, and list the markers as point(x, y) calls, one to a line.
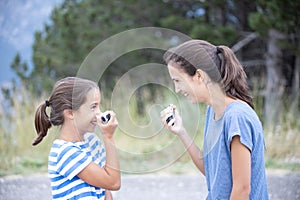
point(42, 123)
point(233, 76)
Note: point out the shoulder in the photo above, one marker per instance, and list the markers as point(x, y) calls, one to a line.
point(240, 116)
point(61, 146)
point(240, 119)
point(239, 107)
point(61, 149)
point(64, 154)
point(241, 111)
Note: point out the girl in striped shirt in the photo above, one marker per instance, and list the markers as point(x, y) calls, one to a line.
point(79, 166)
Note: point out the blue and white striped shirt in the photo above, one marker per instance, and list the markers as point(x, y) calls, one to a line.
point(66, 160)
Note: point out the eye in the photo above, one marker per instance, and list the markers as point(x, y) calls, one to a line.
point(93, 107)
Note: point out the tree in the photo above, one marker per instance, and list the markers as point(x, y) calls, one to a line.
point(21, 69)
point(278, 22)
point(76, 27)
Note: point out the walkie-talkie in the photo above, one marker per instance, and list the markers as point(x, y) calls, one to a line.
point(171, 119)
point(105, 118)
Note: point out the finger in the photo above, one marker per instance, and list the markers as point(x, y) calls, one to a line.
point(165, 117)
point(116, 121)
point(167, 111)
point(164, 112)
point(113, 118)
point(112, 113)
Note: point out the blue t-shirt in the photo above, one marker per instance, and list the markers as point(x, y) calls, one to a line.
point(66, 160)
point(239, 119)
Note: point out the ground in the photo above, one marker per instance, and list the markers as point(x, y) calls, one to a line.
point(281, 184)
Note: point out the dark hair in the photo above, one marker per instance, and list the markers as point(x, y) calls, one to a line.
point(68, 93)
point(219, 62)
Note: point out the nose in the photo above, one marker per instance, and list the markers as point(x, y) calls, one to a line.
point(177, 90)
point(97, 111)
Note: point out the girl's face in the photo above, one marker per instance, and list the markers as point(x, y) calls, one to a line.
point(192, 87)
point(85, 116)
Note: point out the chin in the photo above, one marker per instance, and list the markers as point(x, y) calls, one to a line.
point(192, 100)
point(91, 129)
point(195, 101)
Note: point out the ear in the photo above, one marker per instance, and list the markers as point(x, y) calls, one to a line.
point(199, 75)
point(69, 114)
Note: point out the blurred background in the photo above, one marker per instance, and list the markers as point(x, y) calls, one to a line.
point(43, 41)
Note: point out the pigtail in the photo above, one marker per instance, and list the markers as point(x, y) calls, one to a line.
point(234, 78)
point(42, 123)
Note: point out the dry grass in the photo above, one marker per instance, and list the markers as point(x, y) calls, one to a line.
point(144, 146)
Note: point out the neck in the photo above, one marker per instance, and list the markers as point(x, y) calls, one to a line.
point(219, 101)
point(220, 107)
point(70, 133)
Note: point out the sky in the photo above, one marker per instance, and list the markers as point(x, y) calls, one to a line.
point(19, 19)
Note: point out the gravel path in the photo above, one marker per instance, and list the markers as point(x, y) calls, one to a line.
point(281, 185)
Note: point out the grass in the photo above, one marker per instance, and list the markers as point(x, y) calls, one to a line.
point(17, 132)
point(282, 164)
point(283, 139)
point(144, 146)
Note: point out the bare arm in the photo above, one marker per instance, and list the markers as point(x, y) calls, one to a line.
point(178, 129)
point(193, 150)
point(107, 177)
point(241, 170)
point(108, 195)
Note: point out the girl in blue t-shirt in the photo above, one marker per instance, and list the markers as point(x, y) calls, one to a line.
point(79, 167)
point(232, 159)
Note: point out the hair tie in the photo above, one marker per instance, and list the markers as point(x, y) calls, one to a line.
point(47, 103)
point(218, 50)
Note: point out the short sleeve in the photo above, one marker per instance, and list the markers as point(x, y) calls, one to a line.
point(71, 161)
point(240, 125)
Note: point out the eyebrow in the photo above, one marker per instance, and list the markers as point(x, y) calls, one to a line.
point(94, 103)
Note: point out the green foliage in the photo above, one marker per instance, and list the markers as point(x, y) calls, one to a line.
point(76, 28)
point(176, 22)
point(283, 15)
point(215, 34)
point(259, 22)
point(280, 15)
point(21, 69)
point(275, 164)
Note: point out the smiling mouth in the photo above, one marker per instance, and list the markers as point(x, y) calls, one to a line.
point(94, 123)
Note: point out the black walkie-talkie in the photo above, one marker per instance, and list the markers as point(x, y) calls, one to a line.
point(105, 118)
point(171, 119)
